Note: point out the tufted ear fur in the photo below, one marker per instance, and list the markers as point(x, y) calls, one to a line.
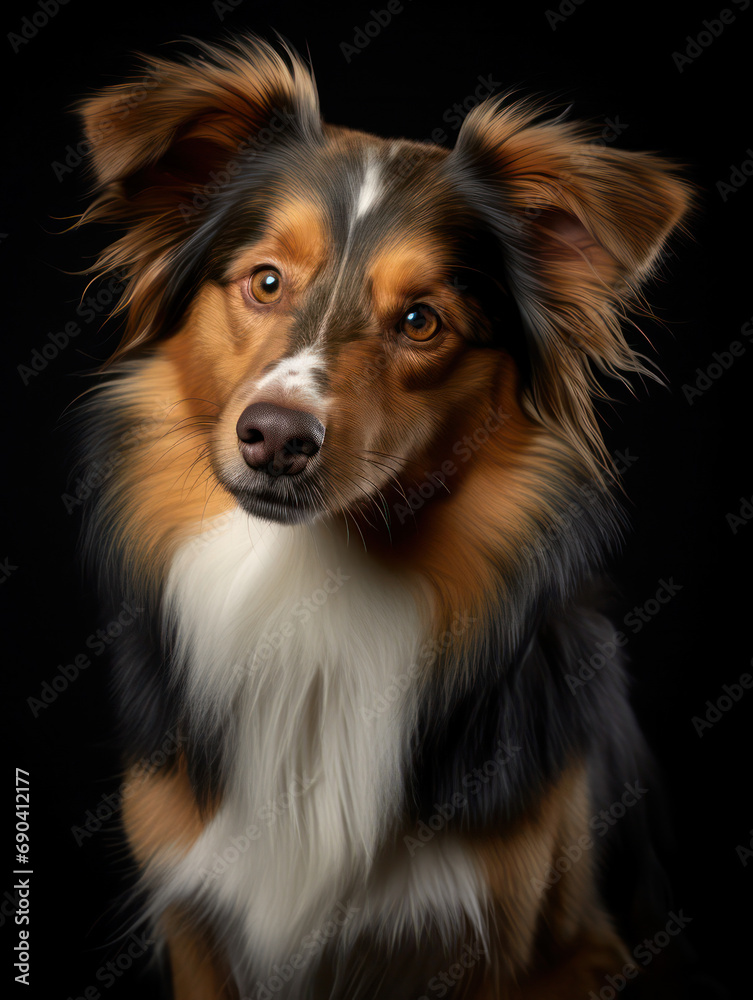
point(163, 145)
point(581, 227)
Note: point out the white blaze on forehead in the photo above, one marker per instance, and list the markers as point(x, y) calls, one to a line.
point(296, 376)
point(366, 196)
point(370, 189)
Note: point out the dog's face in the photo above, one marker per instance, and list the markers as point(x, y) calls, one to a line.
point(346, 308)
point(339, 334)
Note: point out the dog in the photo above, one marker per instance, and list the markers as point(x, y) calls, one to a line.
point(357, 486)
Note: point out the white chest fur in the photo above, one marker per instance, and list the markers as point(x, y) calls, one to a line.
point(289, 641)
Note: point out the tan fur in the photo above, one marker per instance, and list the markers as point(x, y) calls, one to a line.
point(160, 814)
point(295, 240)
point(164, 485)
point(162, 820)
point(498, 499)
point(198, 972)
point(560, 939)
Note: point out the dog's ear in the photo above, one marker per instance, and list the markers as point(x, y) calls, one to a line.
point(581, 226)
point(164, 144)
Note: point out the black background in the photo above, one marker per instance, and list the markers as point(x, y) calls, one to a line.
point(607, 60)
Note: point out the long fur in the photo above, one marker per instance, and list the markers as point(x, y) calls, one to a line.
point(382, 755)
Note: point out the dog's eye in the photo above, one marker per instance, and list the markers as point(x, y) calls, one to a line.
point(265, 285)
point(420, 322)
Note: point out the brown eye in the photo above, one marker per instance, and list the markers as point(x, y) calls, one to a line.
point(420, 322)
point(265, 285)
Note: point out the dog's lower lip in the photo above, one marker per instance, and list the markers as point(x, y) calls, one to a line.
point(290, 510)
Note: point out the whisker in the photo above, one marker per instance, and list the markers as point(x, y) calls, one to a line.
point(397, 485)
point(340, 473)
point(385, 516)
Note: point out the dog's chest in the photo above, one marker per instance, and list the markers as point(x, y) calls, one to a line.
point(304, 655)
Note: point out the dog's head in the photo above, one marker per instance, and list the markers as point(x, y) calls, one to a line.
point(348, 308)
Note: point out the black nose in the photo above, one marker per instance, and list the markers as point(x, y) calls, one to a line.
point(278, 439)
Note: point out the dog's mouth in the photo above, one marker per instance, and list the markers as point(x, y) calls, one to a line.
point(284, 499)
